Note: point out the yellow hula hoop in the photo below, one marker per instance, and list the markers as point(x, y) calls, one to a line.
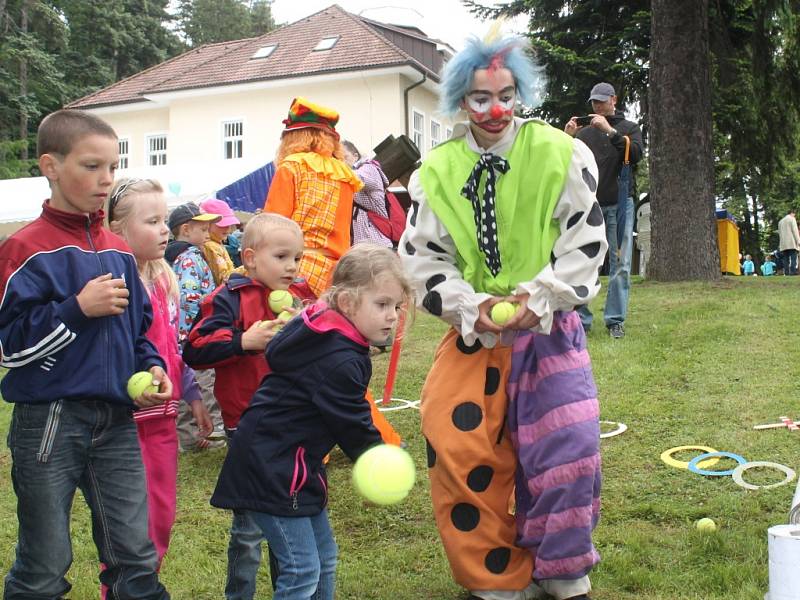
point(666, 456)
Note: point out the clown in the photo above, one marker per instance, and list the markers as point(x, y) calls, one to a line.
point(506, 211)
point(314, 187)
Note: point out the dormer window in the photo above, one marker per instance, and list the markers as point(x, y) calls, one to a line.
point(264, 51)
point(327, 43)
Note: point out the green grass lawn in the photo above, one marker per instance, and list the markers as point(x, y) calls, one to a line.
point(701, 364)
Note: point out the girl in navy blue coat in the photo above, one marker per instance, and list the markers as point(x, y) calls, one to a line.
point(312, 400)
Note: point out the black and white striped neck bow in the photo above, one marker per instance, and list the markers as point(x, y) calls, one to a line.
point(485, 214)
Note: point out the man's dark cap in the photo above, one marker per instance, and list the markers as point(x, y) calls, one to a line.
point(602, 92)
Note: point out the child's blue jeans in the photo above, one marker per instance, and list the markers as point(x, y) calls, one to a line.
point(306, 553)
point(244, 557)
point(57, 448)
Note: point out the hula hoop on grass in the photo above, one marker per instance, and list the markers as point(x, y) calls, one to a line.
point(403, 405)
point(621, 428)
point(738, 471)
point(666, 456)
point(697, 459)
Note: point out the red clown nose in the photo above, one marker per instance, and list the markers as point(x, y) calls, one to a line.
point(496, 112)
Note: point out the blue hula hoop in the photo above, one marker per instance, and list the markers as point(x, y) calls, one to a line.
point(695, 469)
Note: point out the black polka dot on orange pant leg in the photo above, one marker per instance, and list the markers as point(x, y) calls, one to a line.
point(465, 516)
point(492, 381)
point(431, 454)
point(464, 349)
point(479, 478)
point(497, 560)
point(467, 416)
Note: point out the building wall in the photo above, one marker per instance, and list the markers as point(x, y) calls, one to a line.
point(423, 101)
point(135, 126)
point(370, 107)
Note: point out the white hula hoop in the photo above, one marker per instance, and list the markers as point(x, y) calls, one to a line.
point(403, 405)
point(621, 428)
point(737, 474)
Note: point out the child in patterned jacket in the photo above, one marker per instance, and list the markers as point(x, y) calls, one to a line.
point(189, 226)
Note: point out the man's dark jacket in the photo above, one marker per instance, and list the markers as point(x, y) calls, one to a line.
point(609, 153)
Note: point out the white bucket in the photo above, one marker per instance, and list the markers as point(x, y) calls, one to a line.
point(784, 562)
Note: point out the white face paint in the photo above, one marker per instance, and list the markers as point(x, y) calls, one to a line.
point(481, 103)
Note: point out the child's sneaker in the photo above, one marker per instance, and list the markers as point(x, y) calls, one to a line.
point(217, 434)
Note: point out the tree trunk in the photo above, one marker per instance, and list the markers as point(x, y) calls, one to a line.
point(23, 85)
point(681, 146)
point(756, 231)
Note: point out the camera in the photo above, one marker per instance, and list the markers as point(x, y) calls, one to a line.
point(584, 121)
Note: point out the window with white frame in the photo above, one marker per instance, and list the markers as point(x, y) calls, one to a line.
point(326, 43)
point(436, 133)
point(157, 149)
point(448, 133)
point(124, 153)
point(264, 51)
point(232, 139)
point(418, 129)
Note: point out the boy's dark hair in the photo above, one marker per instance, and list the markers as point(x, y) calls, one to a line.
point(61, 130)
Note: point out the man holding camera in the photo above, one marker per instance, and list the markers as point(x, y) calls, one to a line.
point(605, 132)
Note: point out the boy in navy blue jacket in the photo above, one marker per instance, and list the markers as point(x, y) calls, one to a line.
point(73, 316)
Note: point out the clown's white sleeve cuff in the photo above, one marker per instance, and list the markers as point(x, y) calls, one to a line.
point(468, 308)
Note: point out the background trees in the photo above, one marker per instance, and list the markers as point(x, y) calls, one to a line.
point(55, 51)
point(206, 21)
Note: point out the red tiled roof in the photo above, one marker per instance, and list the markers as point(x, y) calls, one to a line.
point(131, 88)
point(359, 47)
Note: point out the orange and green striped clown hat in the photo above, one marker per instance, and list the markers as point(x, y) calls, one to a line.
point(303, 113)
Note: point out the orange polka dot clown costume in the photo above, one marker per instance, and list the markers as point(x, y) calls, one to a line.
point(315, 188)
point(506, 210)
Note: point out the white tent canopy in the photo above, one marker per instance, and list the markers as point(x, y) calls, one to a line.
point(21, 199)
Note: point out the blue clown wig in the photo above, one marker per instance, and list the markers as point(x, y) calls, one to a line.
point(494, 51)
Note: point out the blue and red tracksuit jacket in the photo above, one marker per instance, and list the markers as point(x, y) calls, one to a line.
point(215, 340)
point(51, 349)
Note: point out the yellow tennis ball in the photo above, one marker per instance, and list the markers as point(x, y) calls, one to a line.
point(280, 300)
point(502, 312)
point(282, 319)
point(140, 383)
point(706, 525)
point(384, 474)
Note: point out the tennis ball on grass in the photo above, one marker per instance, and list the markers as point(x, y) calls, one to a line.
point(706, 525)
point(139, 383)
point(384, 474)
point(280, 300)
point(502, 312)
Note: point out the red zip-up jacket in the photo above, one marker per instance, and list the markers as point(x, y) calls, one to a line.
point(215, 340)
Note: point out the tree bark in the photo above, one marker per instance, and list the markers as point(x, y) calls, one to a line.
point(23, 84)
point(681, 155)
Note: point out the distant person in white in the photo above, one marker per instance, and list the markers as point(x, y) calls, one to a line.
point(789, 242)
